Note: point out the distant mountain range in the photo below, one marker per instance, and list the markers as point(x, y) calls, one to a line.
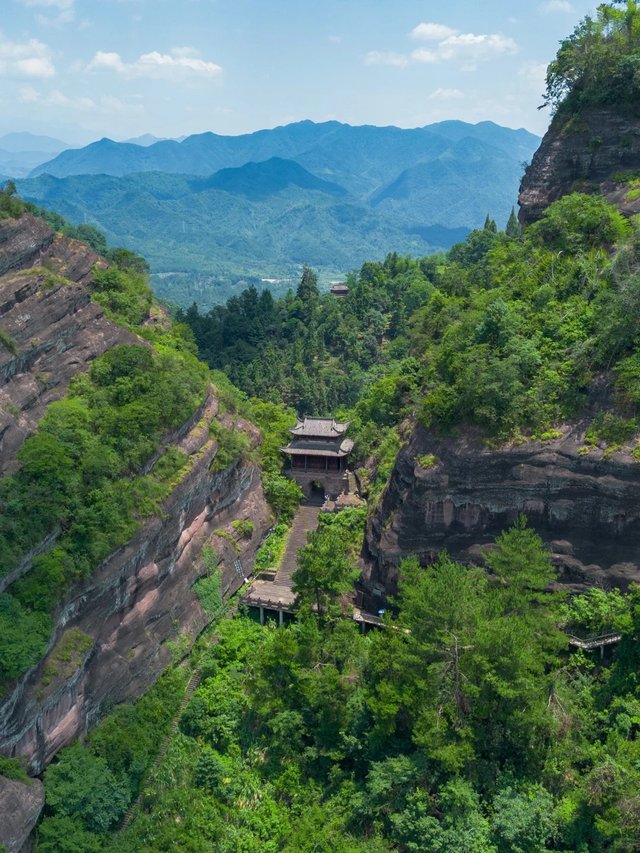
point(22, 152)
point(262, 204)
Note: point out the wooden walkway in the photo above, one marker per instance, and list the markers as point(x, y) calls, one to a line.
point(594, 642)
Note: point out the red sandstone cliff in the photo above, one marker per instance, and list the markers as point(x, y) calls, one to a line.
point(584, 503)
point(141, 598)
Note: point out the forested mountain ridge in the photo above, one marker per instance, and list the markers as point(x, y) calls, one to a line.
point(374, 153)
point(211, 213)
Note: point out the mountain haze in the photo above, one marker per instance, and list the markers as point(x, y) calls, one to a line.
point(242, 208)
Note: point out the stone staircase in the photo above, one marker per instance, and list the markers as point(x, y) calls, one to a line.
point(191, 687)
point(305, 521)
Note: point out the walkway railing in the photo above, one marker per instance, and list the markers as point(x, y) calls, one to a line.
point(594, 642)
point(190, 689)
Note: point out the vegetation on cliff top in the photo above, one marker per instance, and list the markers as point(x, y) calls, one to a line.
point(506, 332)
point(599, 63)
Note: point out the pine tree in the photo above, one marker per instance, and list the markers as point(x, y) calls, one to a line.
point(513, 226)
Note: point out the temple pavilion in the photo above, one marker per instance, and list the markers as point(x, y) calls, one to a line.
point(318, 451)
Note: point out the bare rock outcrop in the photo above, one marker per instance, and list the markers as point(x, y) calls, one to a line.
point(20, 807)
point(50, 330)
point(458, 493)
point(595, 151)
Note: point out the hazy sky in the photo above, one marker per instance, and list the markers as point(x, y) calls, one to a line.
point(82, 69)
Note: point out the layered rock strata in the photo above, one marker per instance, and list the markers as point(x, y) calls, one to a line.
point(50, 330)
point(120, 623)
point(596, 151)
point(458, 494)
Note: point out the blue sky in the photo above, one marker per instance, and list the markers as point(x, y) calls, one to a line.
point(82, 69)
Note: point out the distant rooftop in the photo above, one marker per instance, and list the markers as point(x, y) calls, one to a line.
point(319, 428)
point(340, 288)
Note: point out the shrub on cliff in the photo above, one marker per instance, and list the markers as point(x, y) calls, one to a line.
point(78, 475)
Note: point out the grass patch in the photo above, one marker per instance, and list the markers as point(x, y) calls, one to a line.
point(8, 342)
point(233, 444)
point(271, 552)
point(244, 528)
point(610, 429)
point(11, 768)
point(67, 655)
point(428, 460)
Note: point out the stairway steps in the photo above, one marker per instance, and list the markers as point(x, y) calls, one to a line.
point(190, 689)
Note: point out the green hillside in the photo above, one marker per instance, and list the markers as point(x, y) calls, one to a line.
point(263, 225)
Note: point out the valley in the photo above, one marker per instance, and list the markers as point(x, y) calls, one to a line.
point(290, 570)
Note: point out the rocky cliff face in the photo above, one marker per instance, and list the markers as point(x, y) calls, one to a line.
point(113, 634)
point(20, 806)
point(51, 329)
point(585, 506)
point(597, 151)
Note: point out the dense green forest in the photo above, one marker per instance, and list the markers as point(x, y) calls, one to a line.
point(463, 726)
point(466, 723)
point(507, 332)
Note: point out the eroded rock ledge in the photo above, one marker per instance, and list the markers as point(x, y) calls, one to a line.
point(593, 152)
point(585, 507)
point(51, 330)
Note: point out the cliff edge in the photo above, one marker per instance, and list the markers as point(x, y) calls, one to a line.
point(458, 493)
point(115, 628)
point(596, 150)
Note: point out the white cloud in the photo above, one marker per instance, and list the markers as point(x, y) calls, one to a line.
point(432, 32)
point(49, 4)
point(104, 61)
point(475, 47)
point(30, 58)
point(425, 56)
point(376, 57)
point(449, 45)
point(107, 104)
point(178, 63)
point(28, 95)
point(551, 6)
point(56, 98)
point(63, 11)
point(446, 95)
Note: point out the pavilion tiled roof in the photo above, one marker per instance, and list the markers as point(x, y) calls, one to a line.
point(319, 448)
point(319, 428)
